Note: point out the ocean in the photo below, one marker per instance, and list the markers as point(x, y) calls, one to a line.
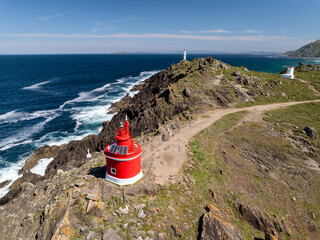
point(53, 99)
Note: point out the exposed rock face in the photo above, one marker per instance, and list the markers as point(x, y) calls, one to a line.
point(27, 180)
point(41, 152)
point(111, 235)
point(236, 74)
point(153, 105)
point(224, 66)
point(255, 218)
point(239, 92)
point(5, 183)
point(74, 154)
point(311, 132)
point(63, 206)
point(186, 92)
point(214, 225)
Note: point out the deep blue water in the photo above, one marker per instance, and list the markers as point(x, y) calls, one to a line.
point(53, 99)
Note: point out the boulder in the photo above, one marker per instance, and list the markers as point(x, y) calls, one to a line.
point(165, 137)
point(214, 225)
point(236, 74)
point(311, 132)
point(141, 214)
point(137, 234)
point(140, 206)
point(124, 210)
point(27, 177)
point(186, 92)
point(243, 80)
point(92, 196)
point(224, 66)
point(4, 183)
point(111, 235)
point(93, 236)
point(99, 205)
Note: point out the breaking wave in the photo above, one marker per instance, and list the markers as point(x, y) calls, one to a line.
point(87, 112)
point(36, 86)
point(10, 173)
point(24, 135)
point(17, 116)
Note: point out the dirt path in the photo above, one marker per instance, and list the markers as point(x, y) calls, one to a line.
point(165, 159)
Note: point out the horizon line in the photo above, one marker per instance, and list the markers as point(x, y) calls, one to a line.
point(149, 53)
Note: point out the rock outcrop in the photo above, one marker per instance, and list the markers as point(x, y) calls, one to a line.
point(41, 152)
point(4, 183)
point(311, 132)
point(214, 225)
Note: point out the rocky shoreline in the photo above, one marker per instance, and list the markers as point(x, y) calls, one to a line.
point(151, 107)
point(212, 165)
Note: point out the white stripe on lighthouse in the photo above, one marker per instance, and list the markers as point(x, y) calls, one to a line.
point(124, 181)
point(123, 160)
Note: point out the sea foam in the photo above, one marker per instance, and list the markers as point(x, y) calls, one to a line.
point(97, 114)
point(17, 116)
point(11, 173)
point(40, 168)
point(24, 135)
point(101, 98)
point(36, 86)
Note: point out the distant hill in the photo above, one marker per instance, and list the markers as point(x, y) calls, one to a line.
point(309, 50)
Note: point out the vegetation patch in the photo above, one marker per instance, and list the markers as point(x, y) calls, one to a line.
point(295, 118)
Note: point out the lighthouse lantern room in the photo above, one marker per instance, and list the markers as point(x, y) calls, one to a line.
point(123, 158)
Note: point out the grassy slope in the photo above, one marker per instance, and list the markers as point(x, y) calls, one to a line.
point(274, 88)
point(263, 88)
point(308, 74)
point(261, 169)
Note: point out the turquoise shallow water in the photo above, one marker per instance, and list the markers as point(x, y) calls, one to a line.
point(53, 99)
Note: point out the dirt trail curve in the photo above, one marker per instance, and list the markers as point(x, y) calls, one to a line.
point(310, 86)
point(165, 159)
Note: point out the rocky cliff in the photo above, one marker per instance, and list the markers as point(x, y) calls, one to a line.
point(248, 175)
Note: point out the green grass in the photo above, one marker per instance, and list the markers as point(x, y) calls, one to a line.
point(207, 160)
point(296, 118)
point(274, 88)
point(313, 77)
point(207, 165)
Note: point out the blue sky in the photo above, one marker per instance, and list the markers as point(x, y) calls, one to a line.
point(96, 26)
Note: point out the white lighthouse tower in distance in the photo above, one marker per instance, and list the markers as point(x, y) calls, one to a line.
point(184, 55)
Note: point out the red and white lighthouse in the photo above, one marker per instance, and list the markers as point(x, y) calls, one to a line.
point(123, 158)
